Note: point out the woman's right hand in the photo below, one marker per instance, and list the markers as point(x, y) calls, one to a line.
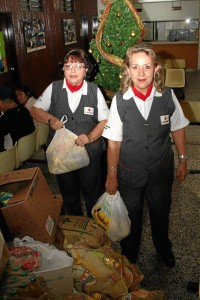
point(111, 184)
point(56, 123)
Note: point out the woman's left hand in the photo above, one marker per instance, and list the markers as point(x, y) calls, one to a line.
point(82, 139)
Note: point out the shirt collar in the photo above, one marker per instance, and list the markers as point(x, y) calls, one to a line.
point(83, 89)
point(74, 88)
point(129, 93)
point(141, 95)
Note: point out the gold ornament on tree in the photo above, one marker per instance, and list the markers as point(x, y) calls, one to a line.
point(108, 44)
point(133, 33)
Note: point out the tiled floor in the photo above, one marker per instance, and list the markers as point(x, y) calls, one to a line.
point(184, 221)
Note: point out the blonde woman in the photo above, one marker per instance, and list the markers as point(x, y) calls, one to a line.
point(140, 157)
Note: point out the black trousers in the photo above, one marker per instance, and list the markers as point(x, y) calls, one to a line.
point(158, 197)
point(86, 182)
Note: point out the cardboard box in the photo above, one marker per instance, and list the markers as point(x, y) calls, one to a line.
point(59, 239)
point(58, 279)
point(32, 210)
point(4, 254)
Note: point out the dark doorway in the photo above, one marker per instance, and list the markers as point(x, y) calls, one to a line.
point(8, 72)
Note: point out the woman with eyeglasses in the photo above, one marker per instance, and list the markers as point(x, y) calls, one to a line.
point(87, 112)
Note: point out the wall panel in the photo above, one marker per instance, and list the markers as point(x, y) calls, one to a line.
point(39, 68)
point(179, 50)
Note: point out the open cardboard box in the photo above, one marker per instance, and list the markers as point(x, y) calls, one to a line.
point(32, 210)
point(58, 279)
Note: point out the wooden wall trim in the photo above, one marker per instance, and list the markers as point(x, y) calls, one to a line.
point(180, 50)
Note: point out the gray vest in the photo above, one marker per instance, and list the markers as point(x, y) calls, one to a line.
point(146, 150)
point(78, 122)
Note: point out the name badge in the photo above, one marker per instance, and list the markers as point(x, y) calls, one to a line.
point(164, 120)
point(88, 111)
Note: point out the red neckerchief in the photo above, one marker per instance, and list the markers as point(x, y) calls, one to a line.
point(140, 95)
point(74, 88)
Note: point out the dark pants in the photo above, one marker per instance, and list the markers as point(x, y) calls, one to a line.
point(85, 181)
point(159, 202)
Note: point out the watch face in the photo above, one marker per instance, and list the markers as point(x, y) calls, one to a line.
point(182, 156)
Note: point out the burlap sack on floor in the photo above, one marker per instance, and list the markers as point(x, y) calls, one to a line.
point(77, 249)
point(82, 229)
point(105, 271)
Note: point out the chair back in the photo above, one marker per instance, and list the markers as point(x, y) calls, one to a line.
point(179, 63)
point(8, 160)
point(175, 78)
point(26, 147)
point(42, 134)
point(167, 63)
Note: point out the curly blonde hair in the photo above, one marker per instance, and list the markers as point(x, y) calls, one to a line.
point(158, 79)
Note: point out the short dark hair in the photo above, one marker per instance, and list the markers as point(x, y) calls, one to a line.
point(25, 89)
point(7, 93)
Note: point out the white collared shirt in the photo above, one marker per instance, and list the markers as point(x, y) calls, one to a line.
point(44, 101)
point(114, 127)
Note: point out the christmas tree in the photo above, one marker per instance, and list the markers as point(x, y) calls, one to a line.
point(120, 27)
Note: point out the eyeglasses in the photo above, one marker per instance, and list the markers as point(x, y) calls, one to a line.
point(71, 66)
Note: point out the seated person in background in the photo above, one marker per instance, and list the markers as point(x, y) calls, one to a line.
point(25, 97)
point(7, 138)
point(16, 120)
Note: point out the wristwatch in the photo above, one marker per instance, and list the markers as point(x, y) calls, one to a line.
point(182, 156)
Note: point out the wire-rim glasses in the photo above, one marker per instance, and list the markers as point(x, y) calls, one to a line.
point(77, 66)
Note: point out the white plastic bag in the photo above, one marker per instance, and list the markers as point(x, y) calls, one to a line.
point(111, 214)
point(51, 257)
point(63, 155)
